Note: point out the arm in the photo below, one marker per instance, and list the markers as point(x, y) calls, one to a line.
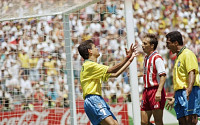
point(160, 67)
point(124, 66)
point(118, 66)
point(160, 87)
point(191, 81)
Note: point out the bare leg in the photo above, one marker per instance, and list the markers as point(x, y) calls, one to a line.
point(182, 121)
point(191, 119)
point(158, 116)
point(145, 117)
point(109, 121)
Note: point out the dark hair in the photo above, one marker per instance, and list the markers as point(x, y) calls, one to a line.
point(153, 39)
point(83, 48)
point(175, 36)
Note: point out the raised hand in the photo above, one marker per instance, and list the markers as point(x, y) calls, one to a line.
point(131, 50)
point(170, 102)
point(134, 54)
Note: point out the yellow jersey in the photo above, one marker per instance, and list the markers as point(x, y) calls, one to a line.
point(33, 62)
point(185, 62)
point(24, 60)
point(51, 69)
point(91, 76)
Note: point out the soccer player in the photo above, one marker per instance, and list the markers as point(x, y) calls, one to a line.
point(185, 81)
point(91, 77)
point(153, 97)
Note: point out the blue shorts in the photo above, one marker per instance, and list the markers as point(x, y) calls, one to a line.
point(97, 109)
point(184, 107)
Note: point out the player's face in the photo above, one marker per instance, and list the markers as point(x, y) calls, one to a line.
point(95, 51)
point(146, 46)
point(171, 46)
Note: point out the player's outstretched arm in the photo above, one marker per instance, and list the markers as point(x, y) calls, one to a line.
point(118, 66)
point(134, 54)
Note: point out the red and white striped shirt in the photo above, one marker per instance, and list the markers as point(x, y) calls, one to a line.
point(153, 66)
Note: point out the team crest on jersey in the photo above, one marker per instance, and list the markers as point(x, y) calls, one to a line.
point(179, 63)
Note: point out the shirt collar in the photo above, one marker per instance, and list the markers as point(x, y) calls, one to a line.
point(89, 60)
point(151, 54)
point(181, 51)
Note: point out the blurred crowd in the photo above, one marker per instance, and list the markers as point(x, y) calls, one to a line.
point(33, 58)
point(23, 8)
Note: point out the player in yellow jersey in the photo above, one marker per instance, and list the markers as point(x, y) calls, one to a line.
point(91, 77)
point(185, 80)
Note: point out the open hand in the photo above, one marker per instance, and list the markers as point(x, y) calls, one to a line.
point(131, 50)
point(170, 102)
point(134, 54)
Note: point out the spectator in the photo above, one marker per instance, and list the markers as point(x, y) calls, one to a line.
point(48, 103)
point(26, 87)
point(120, 94)
point(26, 105)
point(6, 101)
point(77, 89)
point(113, 84)
point(14, 73)
point(24, 60)
point(52, 94)
point(34, 72)
point(77, 64)
point(107, 93)
point(51, 66)
point(38, 95)
point(111, 7)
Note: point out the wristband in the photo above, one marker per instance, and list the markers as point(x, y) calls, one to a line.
point(128, 56)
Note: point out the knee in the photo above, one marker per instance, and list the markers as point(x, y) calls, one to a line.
point(143, 122)
point(113, 123)
point(159, 122)
point(192, 121)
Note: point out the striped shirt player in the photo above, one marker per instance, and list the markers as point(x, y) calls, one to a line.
point(153, 66)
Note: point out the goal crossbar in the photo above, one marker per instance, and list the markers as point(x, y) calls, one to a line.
point(67, 9)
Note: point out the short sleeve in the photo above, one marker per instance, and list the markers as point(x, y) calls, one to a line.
point(100, 72)
point(191, 62)
point(160, 66)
